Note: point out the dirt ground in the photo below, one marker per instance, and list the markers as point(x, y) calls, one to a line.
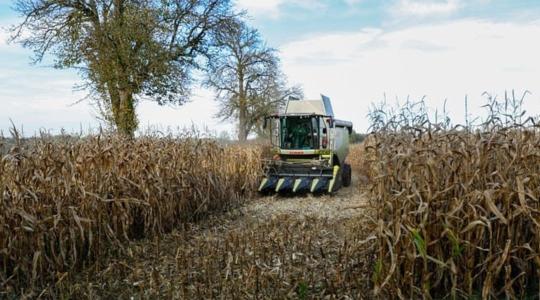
point(307, 247)
point(347, 203)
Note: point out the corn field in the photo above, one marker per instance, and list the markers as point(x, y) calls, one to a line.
point(66, 203)
point(458, 211)
point(439, 211)
point(360, 159)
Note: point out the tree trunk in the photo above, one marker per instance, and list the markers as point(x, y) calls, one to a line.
point(115, 104)
point(127, 123)
point(123, 111)
point(242, 112)
point(242, 125)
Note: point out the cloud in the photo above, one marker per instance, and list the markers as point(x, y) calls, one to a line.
point(43, 98)
point(275, 8)
point(199, 112)
point(352, 2)
point(4, 37)
point(270, 7)
point(448, 60)
point(422, 8)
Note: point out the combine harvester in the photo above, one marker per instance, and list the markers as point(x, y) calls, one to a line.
point(309, 148)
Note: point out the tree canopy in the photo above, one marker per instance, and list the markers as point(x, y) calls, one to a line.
point(247, 78)
point(125, 50)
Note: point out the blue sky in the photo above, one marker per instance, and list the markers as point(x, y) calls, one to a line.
point(355, 51)
point(283, 21)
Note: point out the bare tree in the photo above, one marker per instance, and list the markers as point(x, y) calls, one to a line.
point(246, 77)
point(124, 49)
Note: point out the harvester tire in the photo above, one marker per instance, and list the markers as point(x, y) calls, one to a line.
point(347, 175)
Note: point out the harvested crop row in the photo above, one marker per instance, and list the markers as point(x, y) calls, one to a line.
point(458, 212)
point(66, 203)
point(284, 257)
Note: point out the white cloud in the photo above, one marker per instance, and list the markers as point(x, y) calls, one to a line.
point(4, 37)
point(352, 2)
point(425, 7)
point(274, 8)
point(200, 112)
point(42, 98)
point(270, 7)
point(441, 61)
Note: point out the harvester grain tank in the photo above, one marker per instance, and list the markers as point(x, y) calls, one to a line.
point(309, 147)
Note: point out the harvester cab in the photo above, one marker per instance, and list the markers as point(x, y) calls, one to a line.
point(309, 148)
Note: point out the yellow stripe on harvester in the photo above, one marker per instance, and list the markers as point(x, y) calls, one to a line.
point(314, 184)
point(279, 184)
point(333, 181)
point(296, 184)
point(263, 183)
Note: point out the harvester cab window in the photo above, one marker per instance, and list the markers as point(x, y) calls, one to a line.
point(315, 132)
point(299, 133)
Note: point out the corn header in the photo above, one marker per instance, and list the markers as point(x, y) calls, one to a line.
point(309, 148)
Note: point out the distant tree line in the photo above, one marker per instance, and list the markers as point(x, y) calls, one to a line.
point(356, 138)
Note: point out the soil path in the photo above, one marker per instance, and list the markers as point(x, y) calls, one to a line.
point(271, 248)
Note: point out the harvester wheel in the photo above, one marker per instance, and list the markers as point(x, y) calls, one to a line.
point(347, 175)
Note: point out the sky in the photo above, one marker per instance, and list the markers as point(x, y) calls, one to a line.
point(355, 51)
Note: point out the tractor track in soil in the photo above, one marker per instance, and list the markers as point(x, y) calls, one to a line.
point(275, 247)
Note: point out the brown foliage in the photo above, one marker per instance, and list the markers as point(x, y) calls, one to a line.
point(458, 212)
point(67, 203)
point(360, 159)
